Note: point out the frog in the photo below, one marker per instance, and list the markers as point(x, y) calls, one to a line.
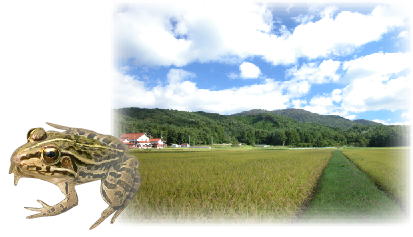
point(75, 156)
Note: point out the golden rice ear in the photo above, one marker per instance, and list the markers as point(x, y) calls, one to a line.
point(36, 134)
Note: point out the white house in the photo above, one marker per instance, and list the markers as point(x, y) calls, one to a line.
point(157, 143)
point(139, 140)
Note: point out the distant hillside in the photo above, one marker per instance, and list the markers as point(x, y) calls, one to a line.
point(304, 116)
point(293, 127)
point(366, 122)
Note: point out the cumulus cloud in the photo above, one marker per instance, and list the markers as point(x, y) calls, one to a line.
point(377, 64)
point(378, 81)
point(377, 93)
point(296, 88)
point(371, 86)
point(249, 70)
point(321, 105)
point(324, 72)
point(175, 76)
point(178, 34)
point(181, 94)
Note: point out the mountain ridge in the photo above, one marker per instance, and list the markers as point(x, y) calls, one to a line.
point(305, 116)
point(286, 127)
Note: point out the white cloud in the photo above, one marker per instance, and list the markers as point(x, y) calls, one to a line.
point(377, 64)
point(337, 95)
point(178, 34)
point(181, 94)
point(377, 93)
point(249, 70)
point(403, 34)
point(175, 76)
point(324, 72)
point(377, 81)
point(321, 105)
point(296, 88)
point(351, 116)
point(298, 104)
point(387, 122)
point(380, 81)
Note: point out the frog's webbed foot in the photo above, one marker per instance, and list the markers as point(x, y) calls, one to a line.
point(46, 210)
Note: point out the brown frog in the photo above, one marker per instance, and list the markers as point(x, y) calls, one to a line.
point(73, 157)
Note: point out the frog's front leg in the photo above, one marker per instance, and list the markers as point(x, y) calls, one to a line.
point(67, 188)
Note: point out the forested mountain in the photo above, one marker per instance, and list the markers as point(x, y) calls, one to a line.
point(304, 116)
point(280, 127)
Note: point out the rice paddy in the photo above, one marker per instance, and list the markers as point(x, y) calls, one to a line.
point(268, 185)
point(230, 184)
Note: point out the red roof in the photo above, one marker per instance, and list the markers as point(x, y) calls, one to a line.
point(142, 141)
point(131, 136)
point(155, 140)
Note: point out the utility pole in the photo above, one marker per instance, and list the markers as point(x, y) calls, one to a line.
point(189, 138)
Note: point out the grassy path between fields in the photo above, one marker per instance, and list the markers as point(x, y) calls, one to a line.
point(346, 193)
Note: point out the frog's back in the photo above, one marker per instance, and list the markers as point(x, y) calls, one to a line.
point(89, 146)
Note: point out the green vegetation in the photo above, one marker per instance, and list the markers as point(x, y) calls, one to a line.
point(230, 184)
point(346, 192)
point(283, 127)
point(387, 167)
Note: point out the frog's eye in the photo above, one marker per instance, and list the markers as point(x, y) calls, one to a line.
point(50, 155)
point(36, 134)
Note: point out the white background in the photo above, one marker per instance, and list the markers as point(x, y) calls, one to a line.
point(56, 66)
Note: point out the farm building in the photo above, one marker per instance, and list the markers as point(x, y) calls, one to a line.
point(157, 143)
point(141, 140)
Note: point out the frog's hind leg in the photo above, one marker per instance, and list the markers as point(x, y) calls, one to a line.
point(118, 187)
point(131, 193)
point(107, 212)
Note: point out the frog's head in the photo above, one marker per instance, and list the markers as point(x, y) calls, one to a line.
point(41, 157)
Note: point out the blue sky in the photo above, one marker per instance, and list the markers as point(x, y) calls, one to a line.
point(328, 59)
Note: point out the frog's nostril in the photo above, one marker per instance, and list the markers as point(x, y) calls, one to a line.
point(18, 158)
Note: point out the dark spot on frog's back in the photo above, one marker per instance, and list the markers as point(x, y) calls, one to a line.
point(91, 135)
point(106, 140)
point(115, 175)
point(98, 176)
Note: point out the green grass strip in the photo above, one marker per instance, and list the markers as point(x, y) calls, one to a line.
point(387, 167)
point(346, 193)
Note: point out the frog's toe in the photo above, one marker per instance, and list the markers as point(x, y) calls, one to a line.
point(36, 215)
point(43, 211)
point(33, 208)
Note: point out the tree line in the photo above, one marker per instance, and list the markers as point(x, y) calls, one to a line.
point(265, 128)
